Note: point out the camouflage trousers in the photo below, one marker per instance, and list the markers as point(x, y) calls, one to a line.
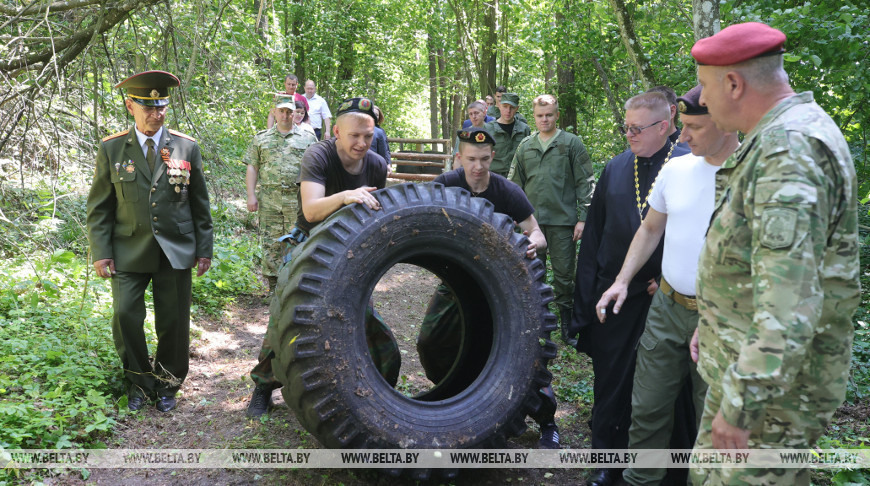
point(780, 429)
point(379, 338)
point(273, 225)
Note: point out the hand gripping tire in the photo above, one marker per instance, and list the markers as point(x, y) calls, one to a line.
point(329, 379)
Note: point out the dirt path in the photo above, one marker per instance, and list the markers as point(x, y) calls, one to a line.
point(213, 399)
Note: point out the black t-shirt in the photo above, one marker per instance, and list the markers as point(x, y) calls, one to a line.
point(507, 197)
point(321, 164)
point(509, 128)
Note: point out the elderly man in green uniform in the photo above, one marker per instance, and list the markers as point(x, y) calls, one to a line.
point(149, 221)
point(778, 275)
point(508, 132)
point(555, 171)
point(273, 161)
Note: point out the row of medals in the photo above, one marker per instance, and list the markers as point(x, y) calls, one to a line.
point(180, 178)
point(177, 177)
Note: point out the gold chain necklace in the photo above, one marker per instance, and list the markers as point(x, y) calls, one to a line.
point(641, 207)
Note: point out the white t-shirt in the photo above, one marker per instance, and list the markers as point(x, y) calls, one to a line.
point(685, 190)
point(317, 111)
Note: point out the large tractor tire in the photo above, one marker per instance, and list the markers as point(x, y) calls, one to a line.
point(323, 361)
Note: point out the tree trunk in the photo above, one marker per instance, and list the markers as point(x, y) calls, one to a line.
point(705, 16)
point(299, 48)
point(611, 100)
point(433, 86)
point(488, 49)
point(442, 91)
point(632, 43)
point(567, 95)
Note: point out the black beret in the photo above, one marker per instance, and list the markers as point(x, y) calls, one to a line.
point(690, 103)
point(357, 105)
point(150, 88)
point(475, 135)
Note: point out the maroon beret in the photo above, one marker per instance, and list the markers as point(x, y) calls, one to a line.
point(738, 43)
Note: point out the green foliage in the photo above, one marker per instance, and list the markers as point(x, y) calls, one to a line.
point(233, 272)
point(60, 369)
point(572, 377)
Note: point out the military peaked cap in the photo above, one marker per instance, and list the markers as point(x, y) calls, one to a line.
point(150, 88)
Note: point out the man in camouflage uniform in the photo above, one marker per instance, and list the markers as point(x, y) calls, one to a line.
point(273, 160)
point(508, 131)
point(555, 171)
point(778, 275)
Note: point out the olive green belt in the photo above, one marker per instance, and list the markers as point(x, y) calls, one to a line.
point(684, 300)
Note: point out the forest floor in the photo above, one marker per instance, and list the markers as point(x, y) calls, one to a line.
point(213, 400)
point(214, 397)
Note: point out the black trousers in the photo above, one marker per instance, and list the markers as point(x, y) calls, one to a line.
point(613, 349)
point(172, 297)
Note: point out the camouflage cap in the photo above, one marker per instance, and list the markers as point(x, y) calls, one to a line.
point(511, 99)
point(150, 88)
point(690, 103)
point(475, 135)
point(357, 105)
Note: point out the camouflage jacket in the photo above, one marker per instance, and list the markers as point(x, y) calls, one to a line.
point(277, 159)
point(778, 275)
point(558, 180)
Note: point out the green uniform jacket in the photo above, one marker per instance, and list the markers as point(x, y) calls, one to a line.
point(778, 275)
point(558, 180)
point(132, 215)
point(505, 145)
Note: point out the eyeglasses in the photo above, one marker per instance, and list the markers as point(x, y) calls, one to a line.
point(154, 109)
point(636, 130)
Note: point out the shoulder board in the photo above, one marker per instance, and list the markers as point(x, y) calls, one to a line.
point(116, 135)
point(182, 135)
point(262, 131)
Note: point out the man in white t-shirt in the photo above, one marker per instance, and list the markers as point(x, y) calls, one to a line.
point(681, 202)
point(318, 110)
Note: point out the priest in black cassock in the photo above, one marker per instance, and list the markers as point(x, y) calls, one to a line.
point(618, 204)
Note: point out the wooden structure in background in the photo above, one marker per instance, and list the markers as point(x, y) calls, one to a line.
point(419, 164)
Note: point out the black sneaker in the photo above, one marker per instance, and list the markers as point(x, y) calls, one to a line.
point(549, 436)
point(261, 401)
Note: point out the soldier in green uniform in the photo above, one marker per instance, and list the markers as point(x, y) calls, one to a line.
point(508, 132)
point(149, 221)
point(273, 161)
point(555, 171)
point(778, 275)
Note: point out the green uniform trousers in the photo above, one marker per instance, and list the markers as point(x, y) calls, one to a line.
point(562, 251)
point(780, 429)
point(381, 343)
point(440, 334)
point(172, 294)
point(439, 341)
point(663, 365)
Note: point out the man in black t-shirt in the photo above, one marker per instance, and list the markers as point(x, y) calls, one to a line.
point(335, 173)
point(439, 337)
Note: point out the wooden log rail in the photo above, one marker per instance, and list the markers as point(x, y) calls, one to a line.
point(436, 157)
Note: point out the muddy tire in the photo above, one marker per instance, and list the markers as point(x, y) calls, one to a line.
point(329, 379)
